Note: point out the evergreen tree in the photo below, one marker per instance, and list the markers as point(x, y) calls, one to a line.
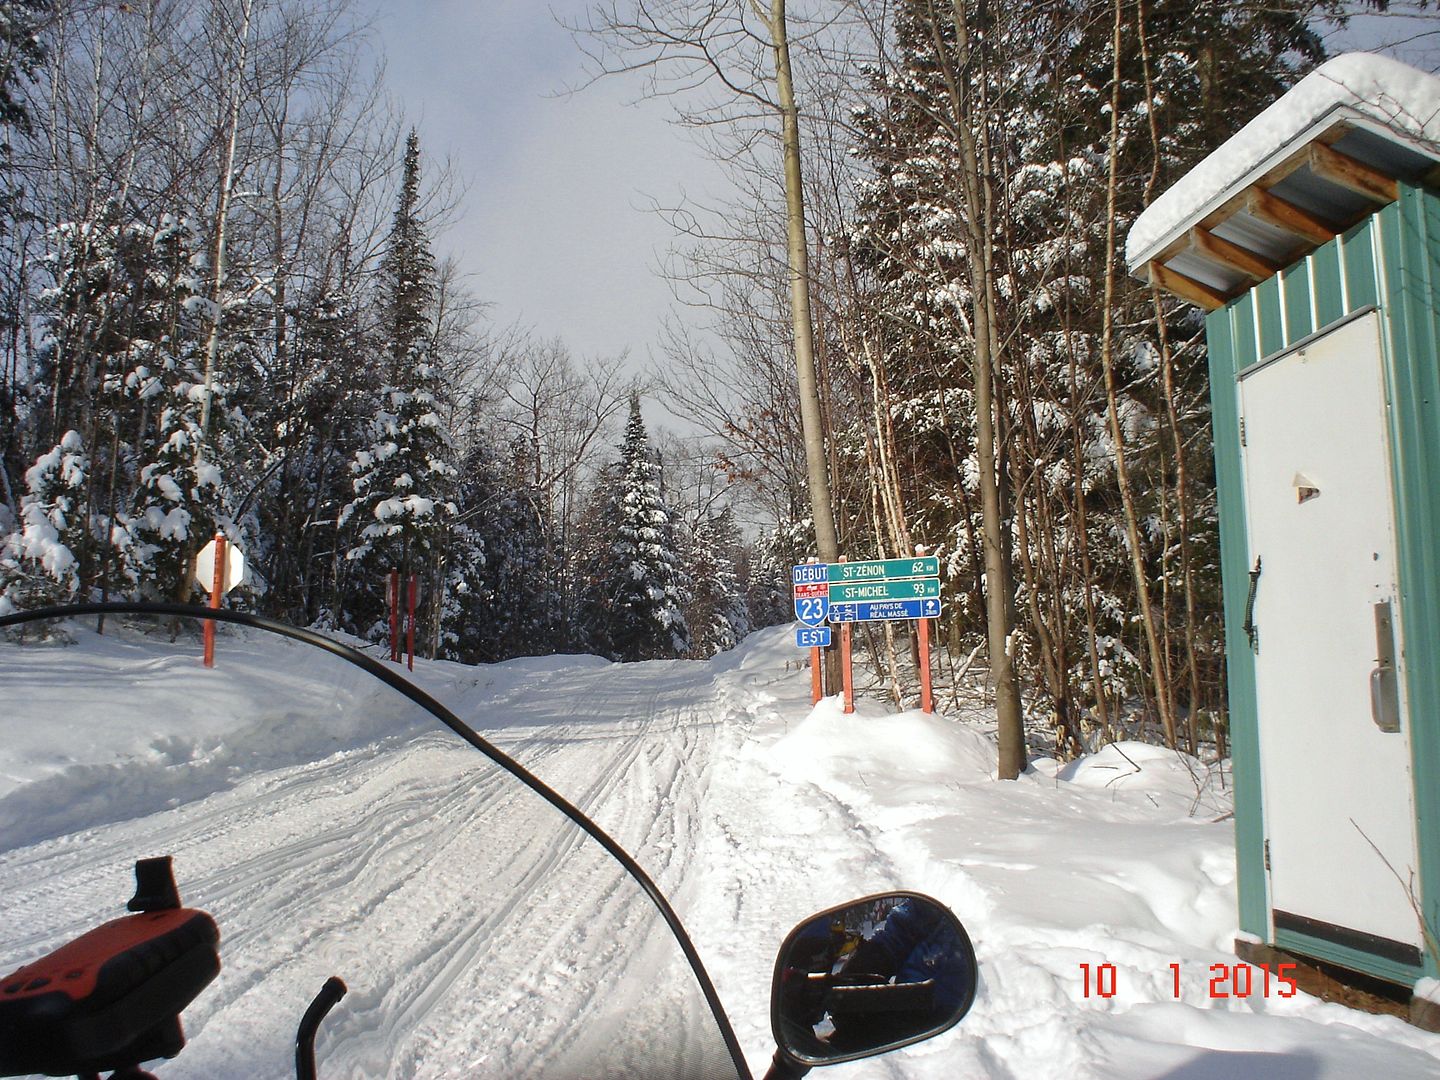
point(37, 560)
point(320, 420)
point(769, 599)
point(719, 611)
point(510, 603)
point(404, 478)
point(1044, 75)
point(23, 54)
point(641, 607)
point(178, 500)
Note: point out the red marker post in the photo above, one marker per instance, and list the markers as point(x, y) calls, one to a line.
point(219, 567)
point(922, 626)
point(392, 595)
point(847, 680)
point(217, 587)
point(410, 624)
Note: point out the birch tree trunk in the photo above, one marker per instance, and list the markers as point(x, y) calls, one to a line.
point(816, 473)
point(222, 215)
point(1158, 656)
point(977, 199)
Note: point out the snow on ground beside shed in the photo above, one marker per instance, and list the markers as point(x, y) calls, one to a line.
point(1385, 90)
point(750, 808)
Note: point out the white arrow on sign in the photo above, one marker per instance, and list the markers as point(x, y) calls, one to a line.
point(205, 567)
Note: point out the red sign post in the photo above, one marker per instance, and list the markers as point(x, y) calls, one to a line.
point(847, 680)
point(217, 589)
point(922, 627)
point(410, 624)
point(219, 567)
point(392, 597)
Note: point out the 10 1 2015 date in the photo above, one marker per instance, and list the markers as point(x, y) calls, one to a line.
point(1238, 980)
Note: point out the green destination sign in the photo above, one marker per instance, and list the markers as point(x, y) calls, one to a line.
point(880, 569)
point(884, 590)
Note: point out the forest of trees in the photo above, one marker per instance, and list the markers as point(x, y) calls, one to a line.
point(222, 308)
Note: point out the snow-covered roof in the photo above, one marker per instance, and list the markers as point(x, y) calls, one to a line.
point(1318, 160)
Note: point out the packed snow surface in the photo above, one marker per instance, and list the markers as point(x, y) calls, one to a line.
point(331, 832)
point(1378, 88)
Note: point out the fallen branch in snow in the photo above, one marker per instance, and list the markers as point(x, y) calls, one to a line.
point(1128, 758)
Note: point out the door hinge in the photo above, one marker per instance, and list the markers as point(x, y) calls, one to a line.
point(1267, 854)
point(1242, 431)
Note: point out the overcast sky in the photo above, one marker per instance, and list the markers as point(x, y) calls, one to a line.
point(554, 229)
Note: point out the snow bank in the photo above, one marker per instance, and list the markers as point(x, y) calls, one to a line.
point(1124, 859)
point(110, 748)
point(1362, 85)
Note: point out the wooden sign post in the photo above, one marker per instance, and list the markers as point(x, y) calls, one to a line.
point(847, 679)
point(392, 597)
point(219, 567)
point(922, 627)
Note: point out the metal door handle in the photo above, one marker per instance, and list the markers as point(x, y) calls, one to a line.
point(1383, 704)
point(1384, 685)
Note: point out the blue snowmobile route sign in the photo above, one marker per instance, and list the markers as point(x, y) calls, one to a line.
point(812, 603)
point(809, 573)
point(880, 610)
point(812, 637)
point(812, 610)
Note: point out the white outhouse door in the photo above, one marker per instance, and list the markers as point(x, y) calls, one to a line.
point(1334, 748)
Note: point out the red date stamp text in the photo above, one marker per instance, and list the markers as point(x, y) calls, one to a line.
point(1238, 980)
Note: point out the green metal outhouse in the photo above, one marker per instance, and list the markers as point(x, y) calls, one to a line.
point(1312, 237)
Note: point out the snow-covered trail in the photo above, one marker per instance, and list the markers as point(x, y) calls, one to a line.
point(430, 880)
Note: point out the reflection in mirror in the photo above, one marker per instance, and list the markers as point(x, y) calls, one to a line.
point(871, 976)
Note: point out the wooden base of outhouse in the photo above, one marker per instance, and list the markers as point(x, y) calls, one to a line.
point(1329, 982)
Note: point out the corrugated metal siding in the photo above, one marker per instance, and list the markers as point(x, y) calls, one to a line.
point(1392, 260)
point(1411, 246)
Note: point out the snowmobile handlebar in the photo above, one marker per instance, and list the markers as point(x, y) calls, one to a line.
point(112, 997)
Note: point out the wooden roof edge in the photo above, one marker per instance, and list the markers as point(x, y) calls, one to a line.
point(1345, 171)
point(1187, 288)
point(1219, 250)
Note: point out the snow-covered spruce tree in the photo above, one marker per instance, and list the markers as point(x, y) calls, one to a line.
point(404, 478)
point(640, 585)
point(37, 559)
point(317, 420)
point(927, 238)
point(1034, 87)
point(767, 582)
point(718, 614)
point(178, 498)
point(20, 45)
point(118, 357)
point(511, 601)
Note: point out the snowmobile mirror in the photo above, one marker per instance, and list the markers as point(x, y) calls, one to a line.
point(870, 976)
